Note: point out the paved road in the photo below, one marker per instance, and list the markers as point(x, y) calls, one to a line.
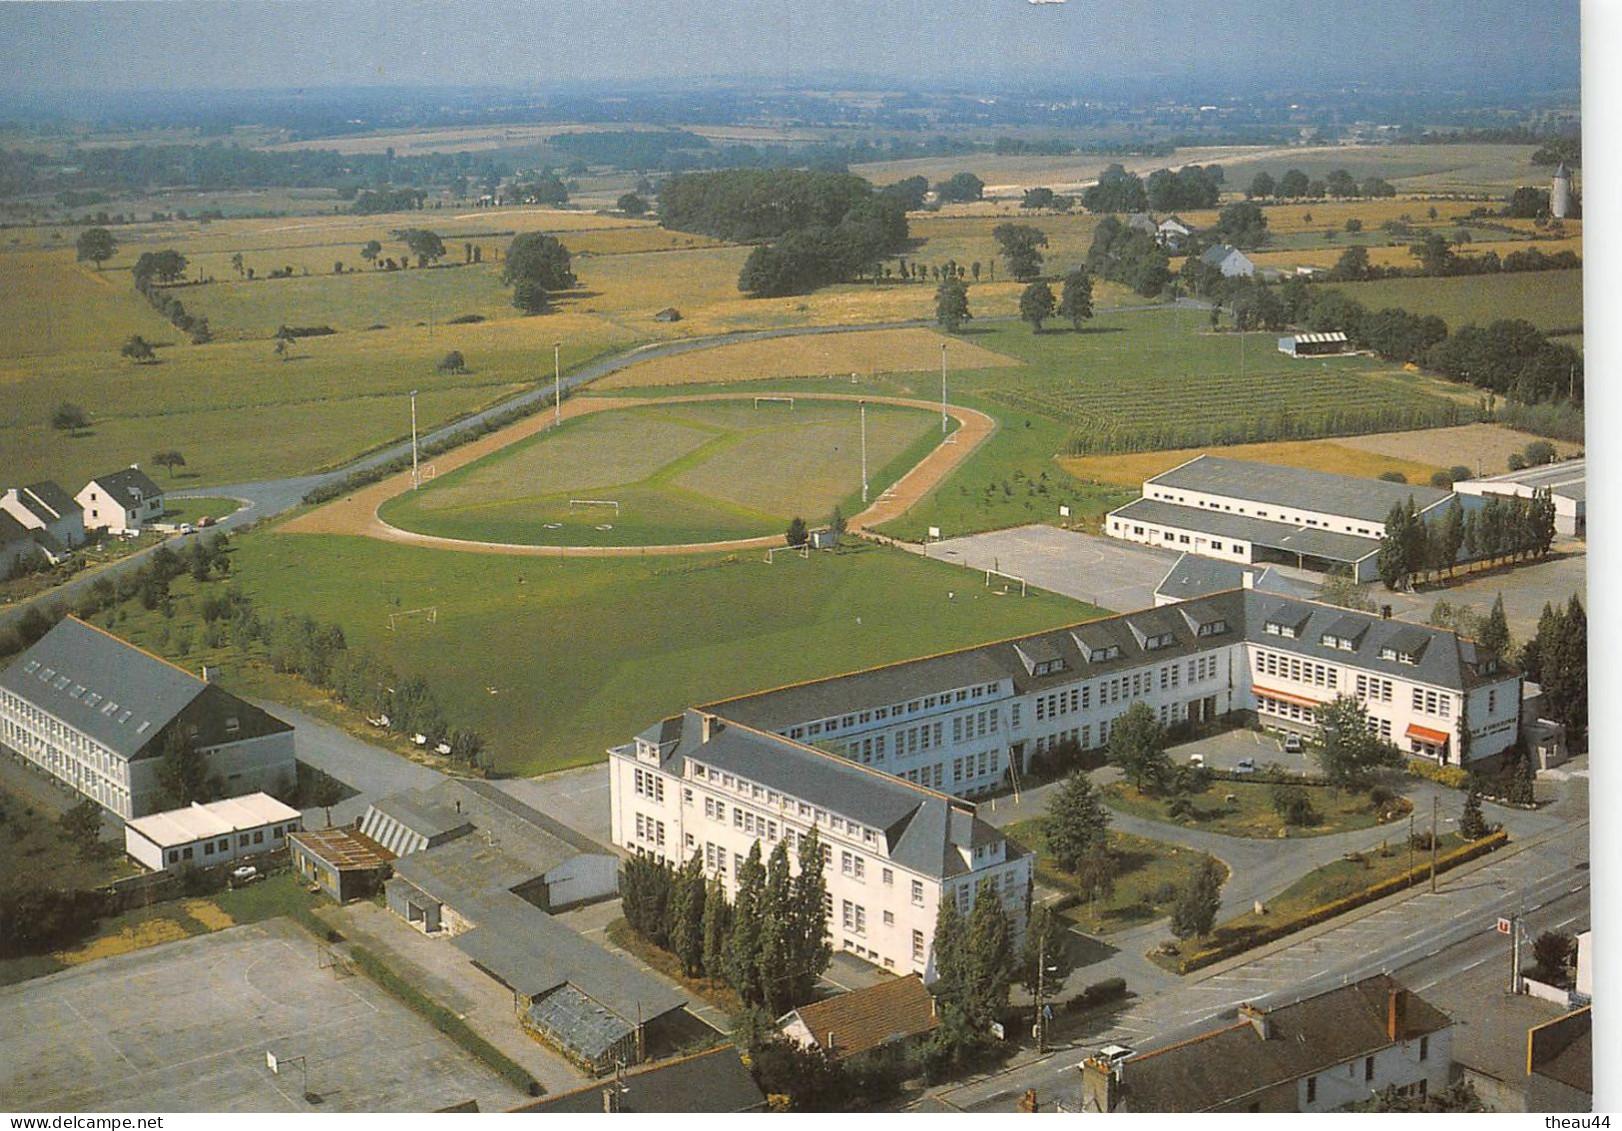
point(1403, 930)
point(371, 770)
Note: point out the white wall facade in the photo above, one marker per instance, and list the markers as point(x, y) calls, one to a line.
point(877, 909)
point(208, 851)
point(1272, 512)
point(67, 529)
point(102, 512)
point(1201, 542)
point(1404, 1064)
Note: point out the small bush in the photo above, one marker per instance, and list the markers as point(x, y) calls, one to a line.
point(465, 319)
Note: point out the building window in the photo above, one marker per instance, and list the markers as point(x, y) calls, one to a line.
point(1424, 1048)
point(918, 893)
point(1368, 1068)
point(174, 857)
point(889, 920)
point(918, 946)
point(1312, 1089)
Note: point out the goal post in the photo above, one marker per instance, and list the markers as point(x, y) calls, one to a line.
point(1007, 578)
point(579, 504)
point(803, 550)
point(429, 613)
point(775, 400)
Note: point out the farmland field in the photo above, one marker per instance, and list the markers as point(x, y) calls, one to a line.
point(679, 472)
point(1470, 168)
point(1550, 300)
point(554, 660)
point(1340, 457)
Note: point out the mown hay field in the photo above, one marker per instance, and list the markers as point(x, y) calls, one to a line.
point(52, 305)
point(863, 352)
point(680, 473)
point(1341, 457)
point(1550, 300)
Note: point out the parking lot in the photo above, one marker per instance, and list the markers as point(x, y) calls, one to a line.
point(1226, 750)
point(185, 1027)
point(1115, 575)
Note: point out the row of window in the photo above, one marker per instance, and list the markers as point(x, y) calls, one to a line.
point(1428, 702)
point(979, 765)
point(771, 799)
point(1296, 669)
point(1373, 687)
point(650, 785)
point(223, 844)
point(650, 830)
point(879, 714)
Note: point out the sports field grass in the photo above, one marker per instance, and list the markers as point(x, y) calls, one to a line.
point(678, 472)
point(860, 352)
point(1550, 300)
point(554, 660)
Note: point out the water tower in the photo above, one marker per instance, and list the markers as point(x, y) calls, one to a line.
point(1560, 193)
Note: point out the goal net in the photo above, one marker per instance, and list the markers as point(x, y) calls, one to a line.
point(429, 613)
point(590, 504)
point(802, 551)
point(775, 400)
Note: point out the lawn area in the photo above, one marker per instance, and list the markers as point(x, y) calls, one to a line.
point(190, 510)
point(31, 842)
point(1148, 876)
point(1250, 813)
point(679, 473)
point(1550, 300)
point(1132, 468)
point(1319, 887)
point(592, 650)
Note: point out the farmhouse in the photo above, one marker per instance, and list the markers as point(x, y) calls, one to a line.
point(21, 547)
point(1229, 260)
point(1171, 232)
point(1320, 1054)
point(120, 503)
point(703, 783)
point(1256, 512)
point(1328, 344)
point(45, 507)
point(1566, 483)
point(97, 714)
point(216, 833)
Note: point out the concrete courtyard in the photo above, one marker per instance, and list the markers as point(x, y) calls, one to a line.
point(1115, 575)
point(185, 1027)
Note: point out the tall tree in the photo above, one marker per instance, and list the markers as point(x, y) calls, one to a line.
point(69, 418)
point(988, 958)
point(97, 245)
point(1194, 913)
point(743, 948)
point(424, 244)
point(774, 960)
point(1077, 821)
point(687, 899)
point(1076, 302)
point(717, 927)
point(948, 947)
point(1349, 752)
point(1495, 632)
point(1137, 744)
point(1021, 246)
point(170, 459)
point(1472, 825)
point(183, 772)
point(1564, 667)
point(536, 265)
point(952, 305)
point(82, 826)
point(810, 950)
point(1045, 944)
point(1036, 304)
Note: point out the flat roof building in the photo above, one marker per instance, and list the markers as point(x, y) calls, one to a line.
point(346, 863)
point(1566, 482)
point(202, 835)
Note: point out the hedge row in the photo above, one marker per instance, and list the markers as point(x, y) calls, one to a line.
point(444, 1020)
point(1110, 989)
point(1317, 915)
point(1453, 777)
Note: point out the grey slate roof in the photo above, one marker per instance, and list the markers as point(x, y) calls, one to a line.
point(527, 836)
point(13, 532)
point(1565, 473)
point(1195, 575)
point(123, 697)
point(128, 485)
point(46, 500)
point(1310, 1036)
point(1313, 541)
point(1368, 499)
point(708, 1082)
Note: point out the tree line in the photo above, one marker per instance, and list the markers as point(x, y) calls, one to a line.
point(769, 943)
point(1502, 528)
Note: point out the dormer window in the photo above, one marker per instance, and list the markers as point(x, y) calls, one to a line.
point(1213, 628)
point(1343, 643)
point(1285, 630)
point(1048, 667)
point(1108, 652)
point(1164, 640)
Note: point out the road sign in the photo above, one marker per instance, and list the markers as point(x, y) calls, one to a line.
point(1504, 926)
point(270, 1060)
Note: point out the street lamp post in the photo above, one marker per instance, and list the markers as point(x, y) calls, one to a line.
point(864, 453)
point(943, 388)
point(557, 385)
point(416, 480)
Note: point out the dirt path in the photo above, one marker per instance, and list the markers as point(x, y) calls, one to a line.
point(357, 513)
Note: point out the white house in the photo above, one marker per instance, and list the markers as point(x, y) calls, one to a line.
point(19, 546)
point(120, 503)
point(1171, 232)
point(699, 783)
point(97, 713)
point(45, 506)
point(1229, 260)
point(216, 833)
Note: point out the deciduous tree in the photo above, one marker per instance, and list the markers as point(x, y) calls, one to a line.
point(952, 305)
point(97, 245)
point(1077, 821)
point(1349, 752)
point(1076, 301)
point(170, 459)
point(1036, 304)
point(536, 265)
point(1194, 913)
point(1137, 744)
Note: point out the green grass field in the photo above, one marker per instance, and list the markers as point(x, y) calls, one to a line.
point(555, 660)
point(679, 472)
point(1251, 812)
point(1550, 300)
point(1470, 168)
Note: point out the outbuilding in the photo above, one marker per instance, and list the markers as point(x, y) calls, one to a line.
point(1566, 482)
point(1328, 344)
point(219, 832)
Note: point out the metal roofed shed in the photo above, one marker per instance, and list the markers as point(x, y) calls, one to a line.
point(208, 834)
point(1315, 345)
point(714, 1081)
point(347, 863)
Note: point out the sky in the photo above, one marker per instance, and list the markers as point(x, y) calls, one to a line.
point(242, 44)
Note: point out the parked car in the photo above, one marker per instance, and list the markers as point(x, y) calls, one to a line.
point(246, 874)
point(1196, 759)
point(187, 528)
point(1292, 744)
point(1245, 766)
point(206, 520)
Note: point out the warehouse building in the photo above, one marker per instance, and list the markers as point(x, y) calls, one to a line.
point(1329, 343)
point(1566, 483)
point(96, 713)
point(1247, 512)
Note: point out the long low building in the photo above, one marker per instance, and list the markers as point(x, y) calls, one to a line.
point(98, 713)
point(1242, 511)
point(1566, 482)
point(203, 835)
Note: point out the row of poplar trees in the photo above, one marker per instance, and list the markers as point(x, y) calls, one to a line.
point(770, 943)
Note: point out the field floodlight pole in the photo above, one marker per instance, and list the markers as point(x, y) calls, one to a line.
point(864, 453)
point(557, 385)
point(416, 479)
point(943, 388)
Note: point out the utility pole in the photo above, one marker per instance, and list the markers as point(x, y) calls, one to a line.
point(943, 388)
point(1041, 986)
point(1436, 805)
point(1410, 848)
point(557, 385)
point(416, 480)
point(864, 453)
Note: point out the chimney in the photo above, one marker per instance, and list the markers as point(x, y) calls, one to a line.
point(710, 726)
point(830, 1044)
point(1100, 1086)
point(1258, 1020)
point(210, 673)
point(1248, 578)
point(1396, 1024)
